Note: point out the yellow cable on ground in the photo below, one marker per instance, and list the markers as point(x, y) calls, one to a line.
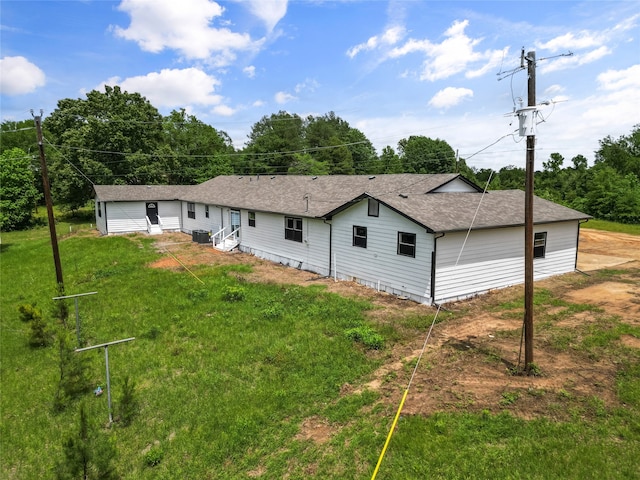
point(393, 426)
point(185, 267)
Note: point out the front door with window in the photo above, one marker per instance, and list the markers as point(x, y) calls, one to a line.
point(152, 212)
point(235, 221)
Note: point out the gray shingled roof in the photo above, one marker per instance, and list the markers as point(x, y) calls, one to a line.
point(139, 193)
point(324, 196)
point(306, 195)
point(447, 212)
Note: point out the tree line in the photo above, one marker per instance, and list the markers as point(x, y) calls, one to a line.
point(116, 137)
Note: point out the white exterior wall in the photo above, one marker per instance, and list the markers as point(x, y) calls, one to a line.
point(201, 222)
point(125, 217)
point(101, 217)
point(169, 213)
point(456, 185)
point(266, 240)
point(495, 259)
point(128, 217)
point(379, 265)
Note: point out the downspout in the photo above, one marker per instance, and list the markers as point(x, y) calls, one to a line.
point(433, 267)
point(330, 243)
point(575, 265)
point(106, 219)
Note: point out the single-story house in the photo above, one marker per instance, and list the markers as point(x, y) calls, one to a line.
point(432, 238)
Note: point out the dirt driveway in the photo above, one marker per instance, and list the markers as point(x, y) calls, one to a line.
point(469, 357)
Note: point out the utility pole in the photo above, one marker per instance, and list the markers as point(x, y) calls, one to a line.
point(49, 202)
point(528, 214)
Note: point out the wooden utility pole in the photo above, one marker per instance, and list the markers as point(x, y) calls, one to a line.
point(49, 202)
point(528, 215)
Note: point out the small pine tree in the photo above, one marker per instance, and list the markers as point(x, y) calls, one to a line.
point(87, 453)
point(39, 334)
point(73, 366)
point(128, 404)
point(60, 309)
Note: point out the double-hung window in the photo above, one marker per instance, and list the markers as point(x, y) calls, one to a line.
point(293, 229)
point(252, 219)
point(539, 244)
point(359, 236)
point(191, 210)
point(407, 244)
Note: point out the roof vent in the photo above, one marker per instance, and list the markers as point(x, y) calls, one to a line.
point(273, 177)
point(372, 177)
point(402, 195)
point(314, 177)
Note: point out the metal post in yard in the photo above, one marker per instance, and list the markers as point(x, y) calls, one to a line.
point(75, 298)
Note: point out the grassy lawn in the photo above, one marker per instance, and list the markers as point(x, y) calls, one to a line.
point(228, 371)
point(631, 229)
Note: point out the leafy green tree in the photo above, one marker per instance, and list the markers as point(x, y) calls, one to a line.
point(422, 154)
point(96, 139)
point(623, 155)
point(20, 134)
point(390, 162)
point(273, 142)
point(509, 178)
point(305, 164)
point(18, 194)
point(612, 196)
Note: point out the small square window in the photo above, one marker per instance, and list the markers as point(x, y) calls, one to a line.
point(407, 244)
point(359, 236)
point(293, 229)
point(191, 210)
point(252, 219)
point(99, 209)
point(206, 211)
point(539, 244)
point(374, 207)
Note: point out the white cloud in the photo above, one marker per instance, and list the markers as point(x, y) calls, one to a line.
point(19, 76)
point(562, 63)
point(570, 41)
point(455, 54)
point(258, 103)
point(309, 85)
point(619, 79)
point(249, 71)
point(283, 97)
point(450, 97)
point(184, 26)
point(172, 88)
point(390, 36)
point(269, 11)
point(224, 110)
point(553, 90)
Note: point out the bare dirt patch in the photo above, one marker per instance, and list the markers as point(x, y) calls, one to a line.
point(469, 359)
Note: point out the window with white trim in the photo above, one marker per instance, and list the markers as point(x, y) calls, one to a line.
point(539, 244)
point(191, 210)
point(359, 236)
point(293, 229)
point(407, 244)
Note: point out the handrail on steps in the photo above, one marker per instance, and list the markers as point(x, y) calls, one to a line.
point(213, 237)
point(234, 231)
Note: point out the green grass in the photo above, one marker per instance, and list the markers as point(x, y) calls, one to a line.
point(227, 372)
point(632, 229)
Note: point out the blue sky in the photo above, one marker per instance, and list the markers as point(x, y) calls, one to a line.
point(391, 69)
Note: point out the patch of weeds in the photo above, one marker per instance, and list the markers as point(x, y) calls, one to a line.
point(198, 295)
point(154, 456)
point(628, 384)
point(564, 395)
point(596, 406)
point(509, 398)
point(272, 312)
point(240, 268)
point(536, 392)
point(232, 293)
point(367, 336)
point(347, 407)
point(561, 340)
point(153, 333)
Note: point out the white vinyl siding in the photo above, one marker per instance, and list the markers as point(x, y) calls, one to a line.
point(379, 265)
point(495, 259)
point(127, 217)
point(267, 241)
point(101, 220)
point(456, 185)
point(201, 222)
